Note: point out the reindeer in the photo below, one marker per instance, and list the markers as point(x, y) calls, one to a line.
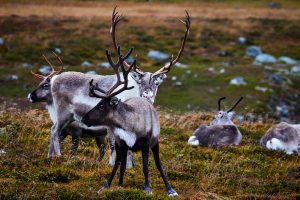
point(282, 136)
point(43, 94)
point(221, 132)
point(69, 90)
point(133, 122)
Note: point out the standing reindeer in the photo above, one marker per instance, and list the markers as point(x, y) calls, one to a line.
point(43, 94)
point(221, 132)
point(133, 122)
point(69, 90)
point(282, 136)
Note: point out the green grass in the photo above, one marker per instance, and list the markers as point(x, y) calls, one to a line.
point(232, 172)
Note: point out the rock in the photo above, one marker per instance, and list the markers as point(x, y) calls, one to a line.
point(242, 40)
point(178, 83)
point(262, 89)
point(287, 60)
point(86, 64)
point(282, 109)
point(276, 78)
point(157, 56)
point(211, 69)
point(91, 72)
point(129, 60)
point(274, 5)
point(222, 71)
point(188, 71)
point(174, 78)
point(45, 69)
point(180, 65)
point(2, 130)
point(104, 65)
point(253, 51)
point(264, 58)
point(1, 41)
point(12, 77)
point(295, 69)
point(57, 50)
point(237, 81)
point(270, 68)
point(2, 152)
point(26, 65)
point(195, 75)
point(222, 53)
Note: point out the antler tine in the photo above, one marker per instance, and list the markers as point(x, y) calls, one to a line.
point(115, 19)
point(219, 102)
point(38, 75)
point(61, 67)
point(233, 107)
point(49, 63)
point(92, 89)
point(167, 67)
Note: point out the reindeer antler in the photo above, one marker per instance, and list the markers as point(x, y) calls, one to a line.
point(53, 72)
point(233, 107)
point(117, 18)
point(115, 66)
point(219, 102)
point(173, 61)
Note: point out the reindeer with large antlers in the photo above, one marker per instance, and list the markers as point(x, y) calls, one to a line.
point(148, 81)
point(134, 124)
point(71, 101)
point(221, 132)
point(43, 94)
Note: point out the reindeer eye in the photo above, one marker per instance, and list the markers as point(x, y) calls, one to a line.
point(101, 106)
point(46, 86)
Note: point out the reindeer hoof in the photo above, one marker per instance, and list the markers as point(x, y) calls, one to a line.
point(105, 186)
point(172, 193)
point(147, 190)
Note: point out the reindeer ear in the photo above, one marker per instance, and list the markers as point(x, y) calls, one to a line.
point(160, 78)
point(137, 77)
point(114, 101)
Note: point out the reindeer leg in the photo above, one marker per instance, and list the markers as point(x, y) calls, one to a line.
point(113, 172)
point(145, 155)
point(130, 162)
point(111, 142)
point(75, 144)
point(123, 159)
point(51, 147)
point(101, 147)
point(155, 151)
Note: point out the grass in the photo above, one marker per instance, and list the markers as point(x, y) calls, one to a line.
point(242, 172)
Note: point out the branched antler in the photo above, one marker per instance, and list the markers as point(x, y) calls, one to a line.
point(53, 72)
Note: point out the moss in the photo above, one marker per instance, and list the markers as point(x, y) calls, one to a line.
point(58, 176)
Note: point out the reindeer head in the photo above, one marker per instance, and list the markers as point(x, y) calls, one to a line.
point(224, 117)
point(148, 82)
point(43, 92)
point(108, 102)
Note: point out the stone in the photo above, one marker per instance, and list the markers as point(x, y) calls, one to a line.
point(174, 78)
point(26, 65)
point(295, 70)
point(253, 51)
point(287, 60)
point(237, 81)
point(242, 40)
point(264, 58)
point(222, 71)
point(276, 78)
point(157, 56)
point(178, 83)
point(13, 77)
point(86, 64)
point(104, 65)
point(91, 72)
point(45, 69)
point(261, 89)
point(1, 41)
point(211, 69)
point(58, 50)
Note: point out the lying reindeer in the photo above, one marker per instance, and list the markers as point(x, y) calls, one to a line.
point(133, 122)
point(69, 90)
point(43, 94)
point(282, 136)
point(221, 132)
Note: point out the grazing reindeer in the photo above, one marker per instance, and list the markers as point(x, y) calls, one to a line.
point(43, 94)
point(134, 124)
point(282, 136)
point(221, 132)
